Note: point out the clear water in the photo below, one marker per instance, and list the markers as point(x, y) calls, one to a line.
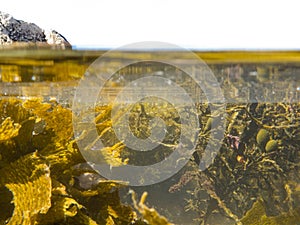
point(237, 139)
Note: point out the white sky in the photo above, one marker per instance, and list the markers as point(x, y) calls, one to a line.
point(209, 24)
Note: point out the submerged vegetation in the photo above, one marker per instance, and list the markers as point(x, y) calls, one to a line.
point(256, 169)
point(42, 182)
point(252, 180)
point(40, 179)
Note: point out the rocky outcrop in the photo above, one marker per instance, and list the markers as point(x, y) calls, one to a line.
point(13, 31)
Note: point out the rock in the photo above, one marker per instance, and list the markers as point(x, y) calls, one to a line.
point(13, 31)
point(56, 39)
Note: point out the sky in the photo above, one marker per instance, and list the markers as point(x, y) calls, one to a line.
point(194, 24)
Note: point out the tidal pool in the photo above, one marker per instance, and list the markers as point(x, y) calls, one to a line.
point(66, 160)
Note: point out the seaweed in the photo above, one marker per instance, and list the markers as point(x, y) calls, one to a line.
point(252, 179)
point(8, 129)
point(55, 116)
point(258, 162)
point(257, 216)
point(29, 176)
point(42, 181)
point(149, 215)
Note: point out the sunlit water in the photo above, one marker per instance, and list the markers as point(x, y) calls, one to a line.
point(257, 160)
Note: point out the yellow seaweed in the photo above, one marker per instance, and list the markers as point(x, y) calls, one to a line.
point(112, 152)
point(150, 215)
point(61, 158)
point(13, 108)
point(81, 219)
point(29, 181)
point(57, 118)
point(62, 208)
point(112, 155)
point(57, 204)
point(120, 214)
point(8, 129)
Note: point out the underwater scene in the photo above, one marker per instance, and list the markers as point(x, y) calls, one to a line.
point(149, 137)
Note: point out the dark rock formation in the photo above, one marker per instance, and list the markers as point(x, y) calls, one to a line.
point(13, 31)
